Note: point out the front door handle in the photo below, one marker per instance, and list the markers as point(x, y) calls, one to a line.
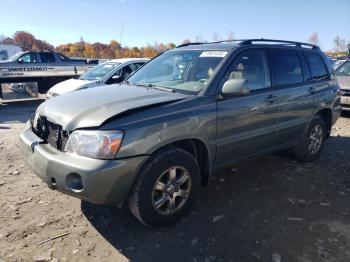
point(271, 99)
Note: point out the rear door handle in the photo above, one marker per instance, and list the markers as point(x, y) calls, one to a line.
point(271, 99)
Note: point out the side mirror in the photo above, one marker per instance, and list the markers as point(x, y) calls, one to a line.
point(117, 78)
point(20, 60)
point(235, 87)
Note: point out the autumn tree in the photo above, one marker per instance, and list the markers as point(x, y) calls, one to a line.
point(216, 37)
point(230, 35)
point(314, 39)
point(24, 39)
point(171, 45)
point(339, 44)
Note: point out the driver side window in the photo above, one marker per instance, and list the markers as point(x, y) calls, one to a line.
point(251, 66)
point(29, 58)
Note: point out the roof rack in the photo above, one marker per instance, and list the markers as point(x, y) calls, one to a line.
point(285, 42)
point(252, 41)
point(194, 43)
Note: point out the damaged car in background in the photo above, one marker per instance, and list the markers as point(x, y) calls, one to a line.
point(153, 140)
point(110, 72)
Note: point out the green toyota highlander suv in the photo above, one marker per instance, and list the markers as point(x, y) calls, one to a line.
point(154, 139)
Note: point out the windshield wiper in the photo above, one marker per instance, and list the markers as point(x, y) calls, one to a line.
point(157, 87)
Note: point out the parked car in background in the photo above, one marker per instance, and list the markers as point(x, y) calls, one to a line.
point(343, 77)
point(195, 109)
point(110, 72)
point(338, 63)
point(7, 51)
point(46, 68)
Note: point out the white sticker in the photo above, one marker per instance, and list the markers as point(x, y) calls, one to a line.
point(213, 54)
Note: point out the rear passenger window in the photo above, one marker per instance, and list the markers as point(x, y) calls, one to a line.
point(251, 66)
point(287, 67)
point(317, 67)
point(47, 58)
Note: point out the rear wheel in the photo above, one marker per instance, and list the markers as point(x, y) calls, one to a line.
point(310, 145)
point(165, 188)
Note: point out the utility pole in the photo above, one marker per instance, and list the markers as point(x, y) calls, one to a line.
point(121, 34)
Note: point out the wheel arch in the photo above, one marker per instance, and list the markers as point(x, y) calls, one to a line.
point(198, 149)
point(326, 114)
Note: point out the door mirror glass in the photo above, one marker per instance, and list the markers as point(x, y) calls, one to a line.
point(117, 78)
point(234, 87)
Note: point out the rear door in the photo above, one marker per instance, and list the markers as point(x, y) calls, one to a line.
point(246, 125)
point(291, 76)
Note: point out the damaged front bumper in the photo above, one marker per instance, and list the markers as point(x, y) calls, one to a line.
point(93, 180)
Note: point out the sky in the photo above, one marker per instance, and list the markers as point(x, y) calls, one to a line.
point(161, 21)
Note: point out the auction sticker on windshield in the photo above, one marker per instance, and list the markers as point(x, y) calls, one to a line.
point(213, 54)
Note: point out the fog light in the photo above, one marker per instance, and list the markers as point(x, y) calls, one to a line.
point(74, 182)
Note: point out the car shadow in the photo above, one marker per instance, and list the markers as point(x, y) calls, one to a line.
point(272, 204)
point(18, 112)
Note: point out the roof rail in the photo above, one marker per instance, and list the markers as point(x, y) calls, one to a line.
point(251, 42)
point(298, 44)
point(194, 43)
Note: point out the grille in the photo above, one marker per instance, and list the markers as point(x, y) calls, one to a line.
point(49, 132)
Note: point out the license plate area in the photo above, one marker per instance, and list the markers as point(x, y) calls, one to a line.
point(19, 91)
point(345, 100)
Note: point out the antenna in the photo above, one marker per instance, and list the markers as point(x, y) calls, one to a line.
point(121, 34)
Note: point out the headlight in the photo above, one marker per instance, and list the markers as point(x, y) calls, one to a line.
point(95, 144)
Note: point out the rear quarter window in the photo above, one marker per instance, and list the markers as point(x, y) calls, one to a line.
point(287, 67)
point(316, 65)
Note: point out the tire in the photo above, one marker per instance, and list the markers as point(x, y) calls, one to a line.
point(309, 149)
point(163, 205)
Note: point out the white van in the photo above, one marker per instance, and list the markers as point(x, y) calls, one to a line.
point(7, 51)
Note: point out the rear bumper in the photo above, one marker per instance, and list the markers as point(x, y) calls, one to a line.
point(94, 180)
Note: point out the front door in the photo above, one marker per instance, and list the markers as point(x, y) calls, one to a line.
point(246, 125)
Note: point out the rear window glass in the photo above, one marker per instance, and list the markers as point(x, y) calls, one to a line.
point(287, 67)
point(317, 67)
point(63, 57)
point(47, 58)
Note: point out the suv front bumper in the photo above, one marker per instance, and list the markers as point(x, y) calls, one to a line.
point(93, 180)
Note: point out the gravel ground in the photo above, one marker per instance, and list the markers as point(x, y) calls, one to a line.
point(269, 209)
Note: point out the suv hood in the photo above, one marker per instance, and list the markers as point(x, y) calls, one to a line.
point(344, 82)
point(69, 85)
point(91, 107)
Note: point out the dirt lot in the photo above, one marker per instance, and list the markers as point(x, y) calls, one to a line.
point(269, 209)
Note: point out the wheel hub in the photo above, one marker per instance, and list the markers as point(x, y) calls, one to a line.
point(171, 190)
point(315, 139)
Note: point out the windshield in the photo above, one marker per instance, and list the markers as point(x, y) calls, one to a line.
point(344, 69)
point(187, 70)
point(15, 57)
point(99, 71)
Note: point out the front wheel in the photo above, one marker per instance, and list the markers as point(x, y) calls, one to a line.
point(165, 188)
point(310, 145)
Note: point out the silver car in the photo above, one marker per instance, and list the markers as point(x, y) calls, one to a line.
point(343, 77)
point(110, 72)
